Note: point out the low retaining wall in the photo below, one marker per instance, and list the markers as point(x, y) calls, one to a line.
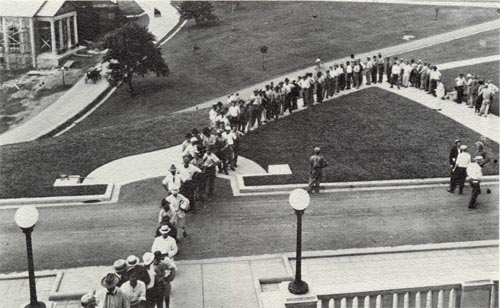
point(349, 185)
point(107, 196)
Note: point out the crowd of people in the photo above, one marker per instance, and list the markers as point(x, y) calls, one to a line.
point(147, 284)
point(136, 284)
point(475, 92)
point(463, 165)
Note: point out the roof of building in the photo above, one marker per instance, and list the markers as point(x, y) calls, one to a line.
point(50, 8)
point(29, 8)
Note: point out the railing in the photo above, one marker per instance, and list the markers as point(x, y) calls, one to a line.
point(441, 296)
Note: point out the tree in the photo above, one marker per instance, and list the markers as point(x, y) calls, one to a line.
point(199, 10)
point(263, 49)
point(131, 50)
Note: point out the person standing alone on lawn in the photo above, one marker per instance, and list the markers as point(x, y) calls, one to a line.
point(317, 163)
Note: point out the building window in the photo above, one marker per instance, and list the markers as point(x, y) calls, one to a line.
point(14, 37)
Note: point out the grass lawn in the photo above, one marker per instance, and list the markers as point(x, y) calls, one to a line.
point(30, 168)
point(486, 71)
point(229, 57)
point(474, 46)
point(368, 135)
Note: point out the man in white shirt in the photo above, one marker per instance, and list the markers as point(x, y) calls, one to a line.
point(190, 147)
point(368, 70)
point(213, 114)
point(348, 79)
point(229, 136)
point(233, 113)
point(339, 78)
point(434, 76)
point(305, 84)
point(173, 180)
point(187, 173)
point(210, 161)
point(475, 174)
point(287, 90)
point(165, 243)
point(135, 290)
point(180, 205)
point(111, 296)
point(459, 173)
point(460, 83)
point(395, 71)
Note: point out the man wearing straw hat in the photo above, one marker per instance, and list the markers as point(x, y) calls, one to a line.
point(112, 296)
point(165, 243)
point(88, 300)
point(180, 205)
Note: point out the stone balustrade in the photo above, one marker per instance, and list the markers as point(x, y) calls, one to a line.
point(476, 294)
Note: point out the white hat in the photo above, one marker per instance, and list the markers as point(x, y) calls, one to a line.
point(463, 147)
point(164, 229)
point(479, 158)
point(194, 139)
point(148, 258)
point(317, 149)
point(228, 127)
point(469, 75)
point(120, 265)
point(174, 191)
point(132, 261)
point(88, 299)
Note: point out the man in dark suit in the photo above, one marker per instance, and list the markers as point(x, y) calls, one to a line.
point(453, 159)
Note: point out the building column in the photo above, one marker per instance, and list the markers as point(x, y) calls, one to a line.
point(75, 29)
point(53, 37)
point(68, 31)
point(32, 40)
point(61, 35)
point(6, 43)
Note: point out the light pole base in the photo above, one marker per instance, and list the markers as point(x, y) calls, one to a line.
point(35, 305)
point(298, 287)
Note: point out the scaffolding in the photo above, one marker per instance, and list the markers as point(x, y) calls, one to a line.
point(17, 49)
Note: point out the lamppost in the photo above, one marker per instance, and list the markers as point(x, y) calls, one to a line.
point(26, 218)
point(63, 81)
point(299, 200)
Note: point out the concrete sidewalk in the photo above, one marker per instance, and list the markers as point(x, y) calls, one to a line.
point(67, 106)
point(150, 165)
point(252, 282)
point(160, 26)
point(83, 94)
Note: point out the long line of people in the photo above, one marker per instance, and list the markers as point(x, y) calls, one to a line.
point(148, 284)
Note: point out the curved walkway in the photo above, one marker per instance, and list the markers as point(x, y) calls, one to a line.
point(160, 26)
point(155, 164)
point(150, 165)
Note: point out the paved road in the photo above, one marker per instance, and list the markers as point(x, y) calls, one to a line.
point(228, 226)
